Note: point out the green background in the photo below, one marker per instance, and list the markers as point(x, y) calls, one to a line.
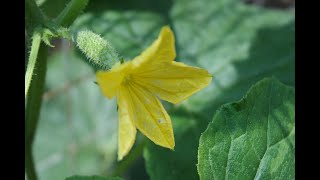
point(238, 43)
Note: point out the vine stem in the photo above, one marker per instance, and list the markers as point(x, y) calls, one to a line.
point(36, 70)
point(33, 15)
point(33, 105)
point(29, 164)
point(36, 40)
point(70, 12)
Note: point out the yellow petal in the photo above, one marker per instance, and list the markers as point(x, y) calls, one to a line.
point(161, 50)
point(150, 117)
point(109, 81)
point(127, 129)
point(173, 81)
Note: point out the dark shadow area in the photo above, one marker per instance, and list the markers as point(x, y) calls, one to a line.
point(179, 163)
point(158, 7)
point(54, 7)
point(161, 7)
point(273, 4)
point(138, 170)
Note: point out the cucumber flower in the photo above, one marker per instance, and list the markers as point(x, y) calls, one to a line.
point(138, 85)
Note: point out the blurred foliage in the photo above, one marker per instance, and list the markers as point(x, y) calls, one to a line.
point(92, 178)
point(238, 43)
point(77, 127)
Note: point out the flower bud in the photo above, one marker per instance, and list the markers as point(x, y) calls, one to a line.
point(98, 50)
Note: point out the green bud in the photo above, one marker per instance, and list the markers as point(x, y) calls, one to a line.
point(99, 51)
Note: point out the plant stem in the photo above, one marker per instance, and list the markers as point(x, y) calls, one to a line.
point(33, 106)
point(70, 12)
point(123, 165)
point(33, 14)
point(36, 40)
point(29, 164)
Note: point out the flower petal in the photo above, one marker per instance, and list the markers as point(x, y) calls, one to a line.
point(109, 81)
point(161, 50)
point(150, 117)
point(127, 129)
point(174, 81)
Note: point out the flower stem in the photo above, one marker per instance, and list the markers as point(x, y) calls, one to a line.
point(33, 105)
point(70, 12)
point(36, 40)
point(132, 156)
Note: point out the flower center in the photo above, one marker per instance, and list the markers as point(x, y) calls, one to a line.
point(127, 79)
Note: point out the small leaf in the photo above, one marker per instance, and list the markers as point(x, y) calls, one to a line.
point(76, 177)
point(252, 138)
point(47, 35)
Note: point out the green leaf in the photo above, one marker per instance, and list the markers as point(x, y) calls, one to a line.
point(252, 138)
point(76, 177)
point(239, 44)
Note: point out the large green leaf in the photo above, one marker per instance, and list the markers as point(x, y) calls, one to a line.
point(252, 138)
point(76, 177)
point(239, 44)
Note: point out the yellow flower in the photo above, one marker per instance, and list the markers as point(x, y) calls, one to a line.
point(139, 83)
